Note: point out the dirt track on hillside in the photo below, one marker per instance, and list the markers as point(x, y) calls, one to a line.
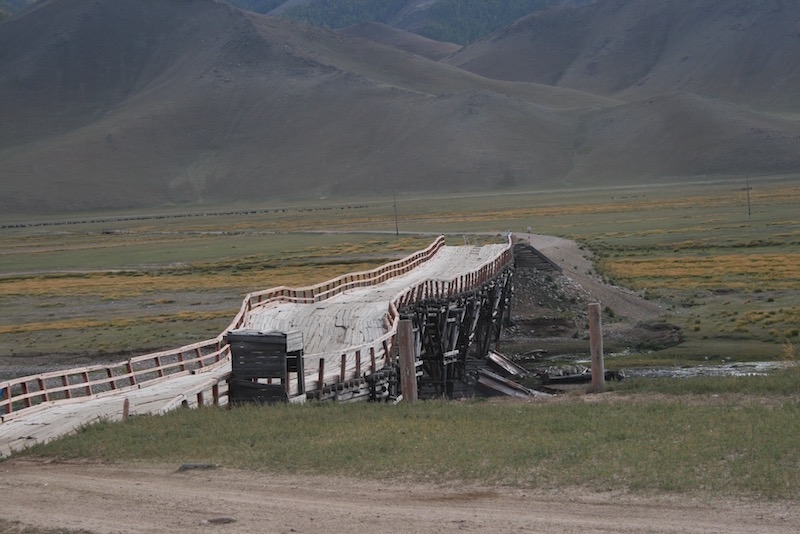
point(158, 498)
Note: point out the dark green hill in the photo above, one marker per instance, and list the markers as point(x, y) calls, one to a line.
point(12, 6)
point(456, 21)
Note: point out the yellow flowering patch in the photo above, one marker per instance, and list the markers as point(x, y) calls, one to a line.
point(730, 271)
point(121, 285)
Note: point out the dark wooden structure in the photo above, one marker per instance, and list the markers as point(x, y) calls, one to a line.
point(527, 256)
point(452, 336)
point(263, 364)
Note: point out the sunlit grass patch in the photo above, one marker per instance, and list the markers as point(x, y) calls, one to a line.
point(233, 276)
point(732, 271)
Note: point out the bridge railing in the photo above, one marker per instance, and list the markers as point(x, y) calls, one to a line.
point(325, 290)
point(20, 394)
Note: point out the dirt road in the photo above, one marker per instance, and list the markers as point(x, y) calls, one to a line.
point(157, 498)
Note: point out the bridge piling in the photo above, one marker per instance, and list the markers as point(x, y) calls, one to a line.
point(407, 360)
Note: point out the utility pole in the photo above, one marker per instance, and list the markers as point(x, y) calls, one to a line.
point(747, 182)
point(396, 227)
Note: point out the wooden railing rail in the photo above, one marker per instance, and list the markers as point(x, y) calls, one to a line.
point(325, 290)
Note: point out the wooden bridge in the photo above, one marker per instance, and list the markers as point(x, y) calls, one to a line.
point(451, 298)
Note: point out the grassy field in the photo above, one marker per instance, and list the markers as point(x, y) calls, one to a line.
point(92, 286)
point(106, 285)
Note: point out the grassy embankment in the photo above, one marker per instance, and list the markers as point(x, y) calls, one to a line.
point(731, 444)
point(93, 290)
point(729, 280)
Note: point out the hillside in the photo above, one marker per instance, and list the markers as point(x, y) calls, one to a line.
point(154, 102)
point(110, 105)
point(410, 42)
point(458, 21)
point(741, 51)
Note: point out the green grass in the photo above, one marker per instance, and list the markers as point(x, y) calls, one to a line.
point(145, 290)
point(783, 383)
point(209, 260)
point(15, 527)
point(738, 446)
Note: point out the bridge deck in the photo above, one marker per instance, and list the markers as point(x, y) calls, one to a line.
point(357, 316)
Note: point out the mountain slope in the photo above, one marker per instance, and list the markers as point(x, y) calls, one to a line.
point(110, 105)
point(157, 101)
point(403, 40)
point(737, 50)
point(684, 134)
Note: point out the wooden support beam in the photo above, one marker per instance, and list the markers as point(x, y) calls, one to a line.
point(321, 374)
point(111, 381)
point(408, 368)
point(596, 348)
point(65, 382)
point(43, 389)
point(24, 386)
point(86, 381)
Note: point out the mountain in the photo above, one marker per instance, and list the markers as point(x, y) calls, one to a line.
point(738, 50)
point(459, 21)
point(410, 42)
point(146, 102)
point(116, 105)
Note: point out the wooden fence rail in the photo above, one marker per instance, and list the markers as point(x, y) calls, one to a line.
point(20, 394)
